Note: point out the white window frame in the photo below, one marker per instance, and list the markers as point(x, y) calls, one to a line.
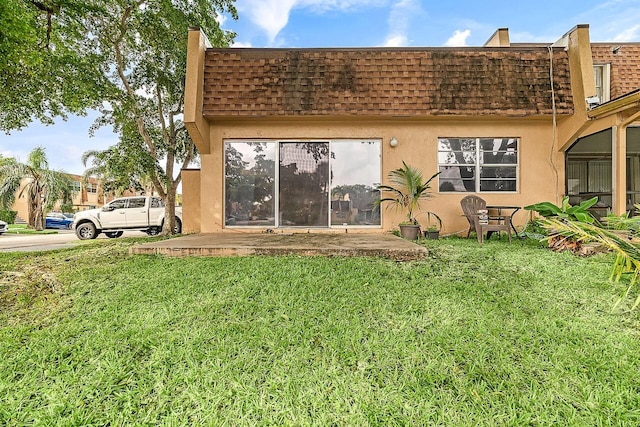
point(603, 92)
point(276, 201)
point(477, 165)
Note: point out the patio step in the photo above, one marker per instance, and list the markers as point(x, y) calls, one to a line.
point(302, 244)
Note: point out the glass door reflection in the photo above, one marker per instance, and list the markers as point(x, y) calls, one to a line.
point(304, 184)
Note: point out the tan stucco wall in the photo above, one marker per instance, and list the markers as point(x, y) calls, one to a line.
point(191, 200)
point(417, 146)
point(582, 85)
point(194, 88)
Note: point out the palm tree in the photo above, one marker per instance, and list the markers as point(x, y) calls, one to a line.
point(43, 187)
point(118, 170)
point(407, 187)
point(627, 261)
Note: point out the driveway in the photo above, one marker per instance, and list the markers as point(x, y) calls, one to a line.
point(45, 242)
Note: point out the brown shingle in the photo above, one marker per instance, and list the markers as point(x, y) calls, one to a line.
point(384, 82)
point(625, 65)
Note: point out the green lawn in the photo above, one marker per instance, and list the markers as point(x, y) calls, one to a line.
point(496, 334)
point(22, 229)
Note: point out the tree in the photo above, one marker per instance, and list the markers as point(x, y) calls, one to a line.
point(43, 187)
point(143, 45)
point(119, 168)
point(408, 188)
point(125, 57)
point(47, 63)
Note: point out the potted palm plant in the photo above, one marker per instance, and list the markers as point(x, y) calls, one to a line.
point(407, 187)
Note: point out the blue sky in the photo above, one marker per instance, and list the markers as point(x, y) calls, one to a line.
point(362, 23)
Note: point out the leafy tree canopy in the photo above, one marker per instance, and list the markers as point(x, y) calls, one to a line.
point(126, 58)
point(48, 64)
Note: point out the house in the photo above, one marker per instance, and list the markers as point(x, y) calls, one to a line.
point(88, 195)
point(297, 139)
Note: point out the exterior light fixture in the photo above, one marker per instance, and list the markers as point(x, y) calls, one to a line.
point(393, 141)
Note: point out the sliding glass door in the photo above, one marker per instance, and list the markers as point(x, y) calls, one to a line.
point(304, 184)
point(315, 184)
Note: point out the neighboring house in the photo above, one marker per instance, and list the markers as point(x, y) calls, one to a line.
point(297, 139)
point(88, 195)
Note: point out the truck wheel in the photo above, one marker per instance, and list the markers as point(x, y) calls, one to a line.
point(113, 234)
point(178, 228)
point(86, 231)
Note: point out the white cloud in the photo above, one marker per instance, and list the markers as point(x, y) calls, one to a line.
point(241, 44)
point(614, 20)
point(396, 41)
point(273, 15)
point(398, 21)
point(630, 34)
point(221, 19)
point(270, 15)
point(459, 38)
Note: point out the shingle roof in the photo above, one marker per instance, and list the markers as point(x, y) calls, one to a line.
point(384, 82)
point(625, 65)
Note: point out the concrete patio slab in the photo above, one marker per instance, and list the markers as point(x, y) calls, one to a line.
point(307, 244)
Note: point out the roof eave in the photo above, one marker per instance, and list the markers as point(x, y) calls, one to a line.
point(617, 105)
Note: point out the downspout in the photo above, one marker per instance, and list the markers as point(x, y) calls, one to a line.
point(554, 137)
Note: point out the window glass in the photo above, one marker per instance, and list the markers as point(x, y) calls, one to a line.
point(250, 183)
point(118, 204)
point(304, 184)
point(477, 164)
point(137, 202)
point(355, 173)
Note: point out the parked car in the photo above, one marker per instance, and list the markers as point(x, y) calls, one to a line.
point(142, 213)
point(3, 227)
point(58, 220)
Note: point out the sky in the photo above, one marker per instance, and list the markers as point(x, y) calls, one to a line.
point(360, 23)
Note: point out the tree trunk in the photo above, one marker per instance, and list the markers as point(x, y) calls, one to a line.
point(170, 210)
point(36, 219)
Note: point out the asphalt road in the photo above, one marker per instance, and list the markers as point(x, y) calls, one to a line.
point(45, 242)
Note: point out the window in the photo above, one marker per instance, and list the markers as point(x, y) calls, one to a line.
point(302, 183)
point(137, 202)
point(92, 188)
point(118, 204)
point(601, 74)
point(76, 186)
point(157, 202)
point(477, 165)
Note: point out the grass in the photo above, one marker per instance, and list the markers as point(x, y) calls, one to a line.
point(495, 334)
point(23, 229)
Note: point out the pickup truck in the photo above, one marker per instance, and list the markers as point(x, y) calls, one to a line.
point(142, 213)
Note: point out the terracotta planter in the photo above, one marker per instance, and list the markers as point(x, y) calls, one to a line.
point(409, 231)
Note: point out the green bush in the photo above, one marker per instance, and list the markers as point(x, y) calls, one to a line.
point(565, 210)
point(8, 216)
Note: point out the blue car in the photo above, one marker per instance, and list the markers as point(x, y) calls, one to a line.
point(58, 220)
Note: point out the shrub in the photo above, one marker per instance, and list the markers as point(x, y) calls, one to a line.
point(8, 216)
